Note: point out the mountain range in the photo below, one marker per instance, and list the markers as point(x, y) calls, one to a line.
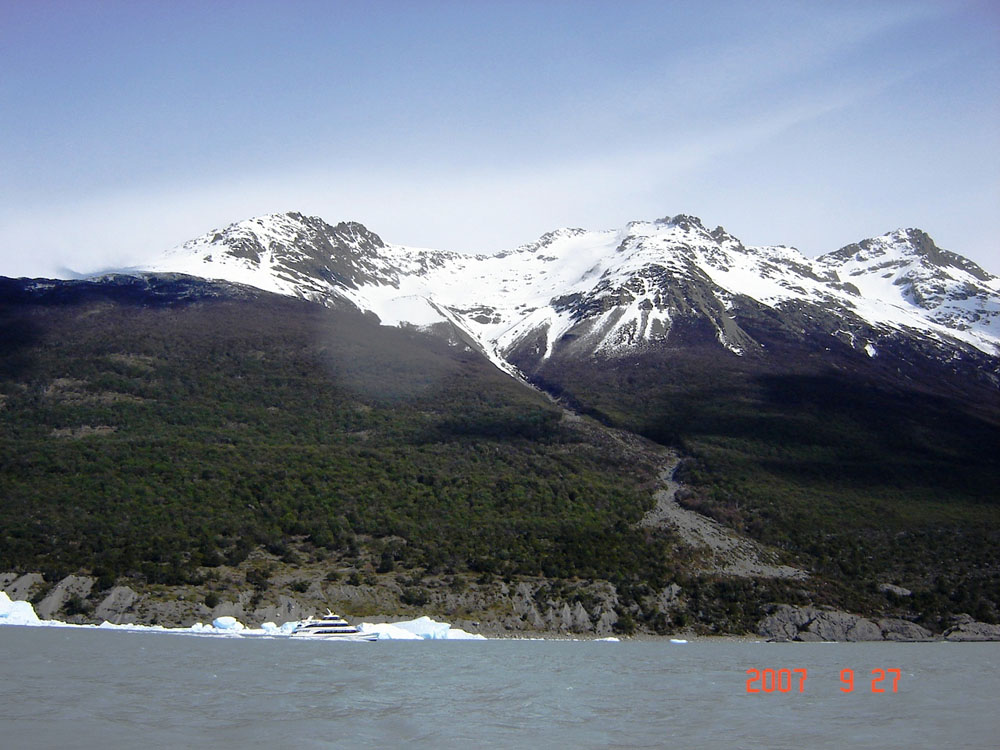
point(607, 293)
point(653, 428)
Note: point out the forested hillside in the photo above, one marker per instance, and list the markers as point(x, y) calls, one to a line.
point(159, 431)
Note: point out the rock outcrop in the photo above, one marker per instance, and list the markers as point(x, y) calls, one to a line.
point(534, 607)
point(61, 594)
point(889, 588)
point(788, 623)
point(117, 606)
point(19, 587)
point(967, 629)
point(894, 629)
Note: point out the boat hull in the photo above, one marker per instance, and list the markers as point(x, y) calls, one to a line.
point(313, 636)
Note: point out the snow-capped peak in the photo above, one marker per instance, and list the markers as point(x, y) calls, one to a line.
point(287, 253)
point(906, 267)
point(602, 291)
point(897, 249)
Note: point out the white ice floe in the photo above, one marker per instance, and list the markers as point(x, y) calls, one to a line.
point(389, 632)
point(421, 629)
point(284, 629)
point(229, 624)
point(16, 613)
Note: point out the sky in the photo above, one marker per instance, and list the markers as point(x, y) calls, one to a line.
point(129, 127)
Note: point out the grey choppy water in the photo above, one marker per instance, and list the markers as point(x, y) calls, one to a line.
point(87, 688)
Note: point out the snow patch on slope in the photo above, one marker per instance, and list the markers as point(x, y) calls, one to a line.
point(600, 291)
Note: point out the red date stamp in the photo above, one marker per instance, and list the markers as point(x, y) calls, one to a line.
point(787, 680)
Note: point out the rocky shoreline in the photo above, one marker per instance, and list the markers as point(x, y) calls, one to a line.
point(813, 624)
point(496, 610)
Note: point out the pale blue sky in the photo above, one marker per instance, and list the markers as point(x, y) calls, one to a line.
point(129, 127)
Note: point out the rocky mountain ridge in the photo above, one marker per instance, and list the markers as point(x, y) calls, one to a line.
point(609, 293)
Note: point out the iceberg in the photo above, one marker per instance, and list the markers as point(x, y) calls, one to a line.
point(286, 628)
point(457, 634)
point(16, 613)
point(228, 624)
point(426, 628)
point(388, 632)
point(421, 629)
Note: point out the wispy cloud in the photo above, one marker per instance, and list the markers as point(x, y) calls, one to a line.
point(640, 134)
point(465, 208)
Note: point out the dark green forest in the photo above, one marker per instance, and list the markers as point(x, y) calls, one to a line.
point(153, 431)
point(864, 473)
point(154, 438)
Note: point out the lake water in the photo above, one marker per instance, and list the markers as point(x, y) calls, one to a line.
point(86, 688)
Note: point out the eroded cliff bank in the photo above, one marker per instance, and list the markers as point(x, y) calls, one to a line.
point(491, 608)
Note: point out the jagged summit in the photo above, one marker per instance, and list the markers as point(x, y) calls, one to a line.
point(287, 253)
point(898, 248)
point(908, 266)
point(289, 233)
point(583, 293)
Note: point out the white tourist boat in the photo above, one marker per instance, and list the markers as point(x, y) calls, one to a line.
point(331, 627)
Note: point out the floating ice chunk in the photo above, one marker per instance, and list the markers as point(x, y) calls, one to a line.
point(457, 634)
point(16, 613)
point(609, 639)
point(426, 628)
point(228, 624)
point(286, 628)
point(388, 632)
point(677, 640)
point(423, 628)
